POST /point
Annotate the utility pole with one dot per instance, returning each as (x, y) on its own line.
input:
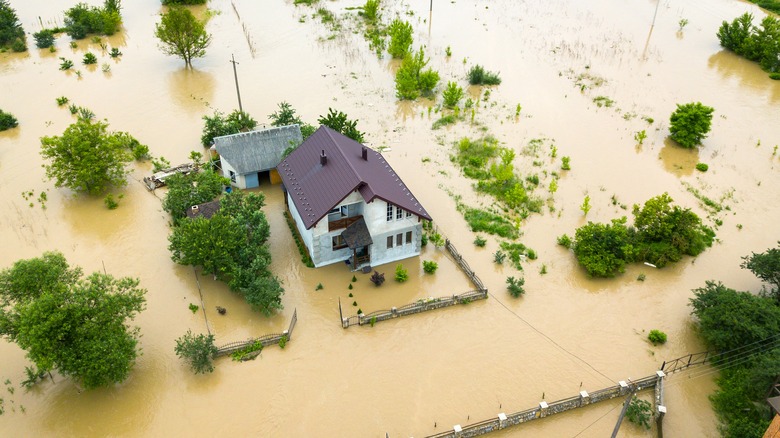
(235, 75)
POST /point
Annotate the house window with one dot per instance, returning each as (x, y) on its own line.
(389, 212)
(408, 214)
(389, 242)
(338, 242)
(399, 239)
(399, 214)
(232, 176)
(408, 237)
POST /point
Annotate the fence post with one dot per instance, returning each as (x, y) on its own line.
(501, 420)
(584, 398)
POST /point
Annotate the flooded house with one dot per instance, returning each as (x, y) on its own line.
(248, 158)
(348, 203)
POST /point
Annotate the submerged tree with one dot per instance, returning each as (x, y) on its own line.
(218, 125)
(338, 121)
(65, 322)
(766, 266)
(184, 191)
(11, 29)
(199, 351)
(690, 123)
(181, 34)
(287, 116)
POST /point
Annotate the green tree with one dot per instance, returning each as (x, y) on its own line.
(81, 20)
(88, 158)
(219, 125)
(65, 322)
(690, 123)
(766, 266)
(287, 116)
(338, 121)
(736, 35)
(639, 412)
(7, 121)
(208, 243)
(411, 80)
(400, 38)
(452, 95)
(198, 351)
(44, 39)
(766, 44)
(10, 27)
(184, 191)
(182, 35)
(603, 250)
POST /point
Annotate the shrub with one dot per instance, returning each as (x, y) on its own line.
(444, 121)
(10, 27)
(639, 412)
(65, 64)
(371, 10)
(19, 45)
(585, 207)
(219, 125)
(411, 80)
(499, 256)
(480, 242)
(62, 100)
(110, 202)
(429, 266)
(564, 240)
(401, 273)
(641, 277)
(115, 53)
(194, 308)
(320, 287)
(656, 337)
(531, 254)
(354, 279)
(377, 278)
(543, 270)
(82, 20)
(350, 286)
(452, 94)
(90, 58)
(702, 167)
(565, 163)
(44, 39)
(400, 38)
(515, 286)
(283, 341)
(7, 121)
(198, 351)
(183, 2)
(479, 76)
(640, 136)
(774, 76)
(690, 123)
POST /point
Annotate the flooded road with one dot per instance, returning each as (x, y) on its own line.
(417, 375)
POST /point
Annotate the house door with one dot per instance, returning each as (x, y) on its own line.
(362, 256)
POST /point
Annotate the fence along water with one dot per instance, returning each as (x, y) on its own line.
(423, 305)
(265, 340)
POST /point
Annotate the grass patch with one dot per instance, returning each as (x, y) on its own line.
(444, 121)
(491, 223)
(305, 257)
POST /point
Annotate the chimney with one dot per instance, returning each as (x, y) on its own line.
(323, 158)
(364, 153)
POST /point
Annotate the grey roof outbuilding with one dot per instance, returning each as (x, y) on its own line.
(257, 151)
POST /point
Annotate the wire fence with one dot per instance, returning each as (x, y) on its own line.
(265, 340)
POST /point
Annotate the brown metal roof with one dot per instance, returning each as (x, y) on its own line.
(316, 188)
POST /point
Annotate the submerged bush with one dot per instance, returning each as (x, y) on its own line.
(479, 76)
(44, 39)
(657, 337)
(7, 121)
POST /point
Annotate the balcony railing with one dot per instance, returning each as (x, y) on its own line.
(339, 224)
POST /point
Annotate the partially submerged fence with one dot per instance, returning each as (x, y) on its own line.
(426, 304)
(545, 409)
(265, 340)
(686, 361)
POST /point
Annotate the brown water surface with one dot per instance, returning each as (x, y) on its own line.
(421, 374)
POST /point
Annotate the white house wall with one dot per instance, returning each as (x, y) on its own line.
(227, 168)
(306, 235)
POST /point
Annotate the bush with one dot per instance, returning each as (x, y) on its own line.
(82, 20)
(639, 412)
(774, 76)
(702, 167)
(657, 337)
(371, 10)
(7, 121)
(690, 123)
(44, 39)
(565, 163)
(515, 286)
(400, 38)
(480, 242)
(401, 273)
(115, 53)
(198, 351)
(499, 256)
(452, 95)
(62, 100)
(90, 58)
(531, 254)
(183, 2)
(10, 27)
(65, 64)
(411, 80)
(110, 202)
(19, 45)
(479, 76)
(429, 266)
(564, 240)
(219, 125)
(377, 278)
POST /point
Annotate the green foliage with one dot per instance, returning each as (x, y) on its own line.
(89, 58)
(516, 252)
(491, 223)
(479, 76)
(302, 250)
(641, 277)
(219, 125)
(194, 308)
(7, 121)
(603, 249)
(115, 53)
(62, 101)
(766, 266)
(195, 188)
(88, 158)
(44, 39)
(564, 240)
(183, 2)
(82, 20)
(639, 412)
(640, 136)
(371, 11)
(319, 287)
(444, 121)
(198, 351)
(33, 376)
(65, 64)
(531, 254)
(702, 167)
(251, 351)
(232, 245)
(759, 44)
(182, 35)
(480, 241)
(283, 341)
(350, 286)
(452, 95)
(429, 266)
(410, 79)
(656, 337)
(400, 38)
(690, 123)
(354, 278)
(401, 273)
(110, 202)
(338, 121)
(565, 163)
(11, 29)
(585, 207)
(287, 116)
(499, 256)
(515, 286)
(70, 323)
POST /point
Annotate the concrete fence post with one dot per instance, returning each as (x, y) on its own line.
(623, 387)
(584, 398)
(458, 430)
(344, 322)
(543, 407)
(501, 420)
(394, 311)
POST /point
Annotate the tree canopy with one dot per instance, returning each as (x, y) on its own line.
(82, 19)
(88, 158)
(604, 249)
(195, 188)
(199, 351)
(287, 116)
(69, 323)
(338, 121)
(10, 27)
(182, 35)
(766, 266)
(232, 246)
(690, 123)
(219, 125)
(759, 44)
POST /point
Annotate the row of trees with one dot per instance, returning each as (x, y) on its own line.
(759, 44)
(11, 30)
(745, 329)
(662, 233)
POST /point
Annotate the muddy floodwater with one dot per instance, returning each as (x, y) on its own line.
(419, 375)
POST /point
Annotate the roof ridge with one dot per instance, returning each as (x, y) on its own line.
(329, 131)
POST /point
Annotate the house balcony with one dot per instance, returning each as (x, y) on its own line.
(340, 224)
